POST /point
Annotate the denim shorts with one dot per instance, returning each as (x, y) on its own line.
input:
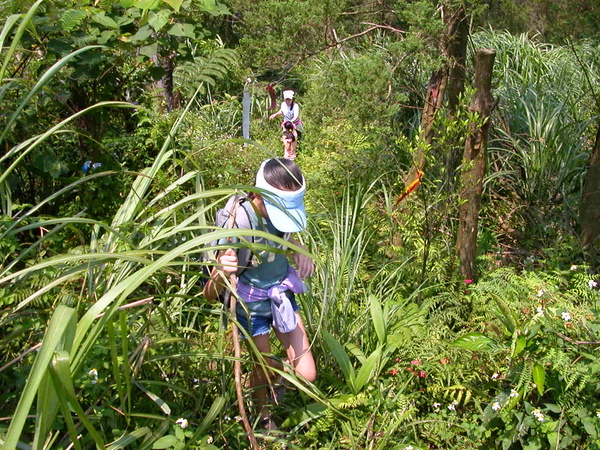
(261, 318)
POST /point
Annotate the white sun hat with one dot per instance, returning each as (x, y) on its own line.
(285, 208)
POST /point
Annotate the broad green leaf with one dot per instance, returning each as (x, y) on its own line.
(378, 319)
(520, 344)
(106, 36)
(149, 50)
(175, 4)
(356, 352)
(590, 426)
(304, 415)
(159, 19)
(539, 377)
(553, 407)
(70, 18)
(211, 7)
(340, 355)
(475, 342)
(103, 19)
(146, 4)
(165, 442)
(367, 369)
(182, 30)
(143, 33)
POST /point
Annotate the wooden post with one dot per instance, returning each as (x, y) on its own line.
(474, 162)
(590, 208)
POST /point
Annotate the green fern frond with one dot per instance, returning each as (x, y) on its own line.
(71, 18)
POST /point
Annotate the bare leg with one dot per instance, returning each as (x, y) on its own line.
(260, 379)
(298, 351)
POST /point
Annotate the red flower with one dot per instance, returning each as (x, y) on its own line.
(393, 371)
(397, 360)
(416, 362)
(444, 361)
(422, 374)
(468, 281)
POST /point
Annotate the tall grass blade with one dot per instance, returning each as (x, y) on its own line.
(63, 318)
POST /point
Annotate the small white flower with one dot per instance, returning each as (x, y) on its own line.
(93, 374)
(408, 447)
(183, 423)
(183, 238)
(219, 176)
(496, 406)
(169, 279)
(541, 292)
(592, 284)
(598, 414)
(436, 407)
(210, 440)
(495, 376)
(513, 393)
(538, 415)
(530, 259)
(227, 418)
(452, 407)
(574, 267)
(238, 418)
(566, 316)
(540, 310)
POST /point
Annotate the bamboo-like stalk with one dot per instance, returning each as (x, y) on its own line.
(237, 365)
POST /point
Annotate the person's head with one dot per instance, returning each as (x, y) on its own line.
(289, 136)
(288, 126)
(285, 184)
(288, 96)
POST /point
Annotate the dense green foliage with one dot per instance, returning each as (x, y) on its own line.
(105, 337)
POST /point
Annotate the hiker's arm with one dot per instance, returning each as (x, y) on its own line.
(278, 113)
(304, 265)
(228, 263)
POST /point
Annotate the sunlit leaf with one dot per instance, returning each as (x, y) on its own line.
(475, 342)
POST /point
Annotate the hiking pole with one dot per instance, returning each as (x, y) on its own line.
(231, 295)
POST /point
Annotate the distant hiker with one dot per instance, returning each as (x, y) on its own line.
(290, 110)
(266, 281)
(290, 140)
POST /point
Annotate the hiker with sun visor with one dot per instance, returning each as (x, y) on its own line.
(267, 283)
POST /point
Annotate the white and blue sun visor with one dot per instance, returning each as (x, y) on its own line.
(285, 208)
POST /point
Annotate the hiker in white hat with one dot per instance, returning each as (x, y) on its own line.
(290, 111)
(267, 283)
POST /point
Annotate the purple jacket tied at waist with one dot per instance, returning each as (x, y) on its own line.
(284, 317)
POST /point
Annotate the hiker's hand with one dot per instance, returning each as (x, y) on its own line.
(228, 262)
(272, 116)
(304, 265)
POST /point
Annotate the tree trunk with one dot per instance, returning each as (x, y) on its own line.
(449, 80)
(166, 82)
(433, 103)
(590, 208)
(474, 162)
(458, 29)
